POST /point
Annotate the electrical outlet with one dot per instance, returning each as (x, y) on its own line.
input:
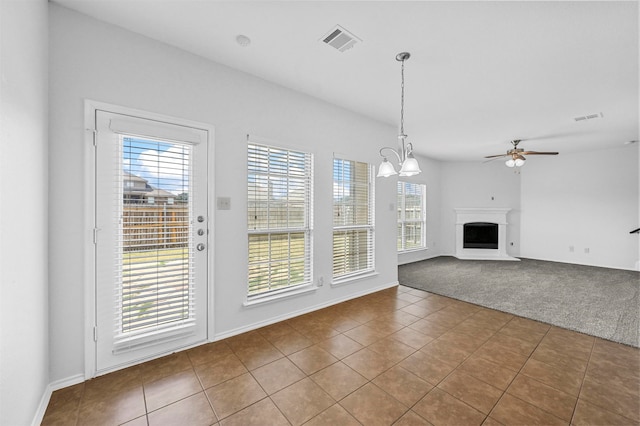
(320, 281)
(586, 250)
(571, 248)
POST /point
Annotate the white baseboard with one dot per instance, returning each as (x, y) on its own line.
(64, 383)
(416, 256)
(46, 395)
(636, 267)
(290, 315)
(596, 265)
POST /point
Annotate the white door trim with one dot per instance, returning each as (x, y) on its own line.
(90, 108)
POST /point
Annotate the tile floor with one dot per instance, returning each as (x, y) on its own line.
(400, 356)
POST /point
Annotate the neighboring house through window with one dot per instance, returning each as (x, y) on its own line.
(353, 219)
(137, 190)
(412, 223)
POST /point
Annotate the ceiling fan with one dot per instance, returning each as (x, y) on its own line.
(516, 155)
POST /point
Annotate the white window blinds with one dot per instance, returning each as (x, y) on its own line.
(279, 210)
(411, 216)
(155, 247)
(353, 218)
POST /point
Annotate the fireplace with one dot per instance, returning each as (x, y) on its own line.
(481, 234)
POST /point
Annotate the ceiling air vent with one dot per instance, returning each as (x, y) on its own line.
(588, 117)
(340, 39)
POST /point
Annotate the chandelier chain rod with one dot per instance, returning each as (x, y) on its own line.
(402, 102)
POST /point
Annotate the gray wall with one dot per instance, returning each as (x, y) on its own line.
(585, 200)
(94, 60)
(24, 334)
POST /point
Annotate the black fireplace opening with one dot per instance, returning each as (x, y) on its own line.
(480, 235)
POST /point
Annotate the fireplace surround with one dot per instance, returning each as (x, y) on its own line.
(482, 218)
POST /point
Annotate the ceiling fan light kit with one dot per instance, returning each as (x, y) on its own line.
(408, 164)
(517, 162)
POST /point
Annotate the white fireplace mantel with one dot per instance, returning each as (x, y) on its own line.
(490, 215)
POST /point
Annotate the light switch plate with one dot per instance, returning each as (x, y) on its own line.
(223, 203)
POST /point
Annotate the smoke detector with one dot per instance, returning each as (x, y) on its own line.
(340, 39)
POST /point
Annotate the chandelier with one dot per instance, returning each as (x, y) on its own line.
(408, 164)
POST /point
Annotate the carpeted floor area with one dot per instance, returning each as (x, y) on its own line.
(600, 302)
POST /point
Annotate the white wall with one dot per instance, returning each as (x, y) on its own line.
(24, 367)
(484, 185)
(430, 176)
(94, 60)
(585, 200)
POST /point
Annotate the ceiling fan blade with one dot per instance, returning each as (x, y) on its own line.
(538, 153)
(496, 156)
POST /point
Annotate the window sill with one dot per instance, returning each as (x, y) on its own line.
(348, 280)
(261, 300)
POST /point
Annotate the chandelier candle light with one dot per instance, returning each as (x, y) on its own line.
(408, 164)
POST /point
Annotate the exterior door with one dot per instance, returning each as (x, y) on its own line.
(151, 238)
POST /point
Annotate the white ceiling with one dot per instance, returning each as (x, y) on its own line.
(480, 73)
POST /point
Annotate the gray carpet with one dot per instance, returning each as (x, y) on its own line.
(597, 301)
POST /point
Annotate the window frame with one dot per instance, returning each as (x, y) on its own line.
(402, 221)
(370, 268)
(263, 147)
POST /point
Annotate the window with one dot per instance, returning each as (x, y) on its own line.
(353, 219)
(412, 223)
(279, 219)
(155, 248)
